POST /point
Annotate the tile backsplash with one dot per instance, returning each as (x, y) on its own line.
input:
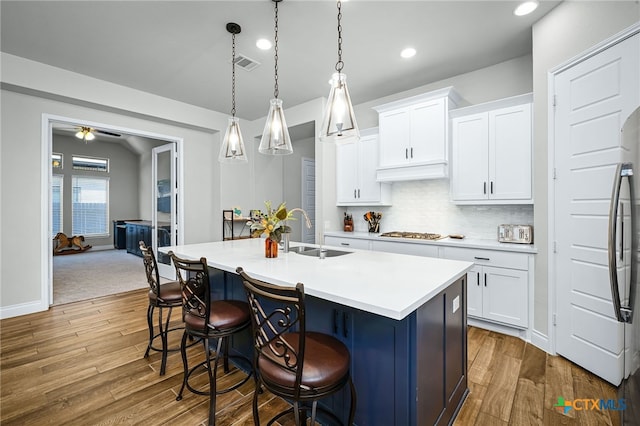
(425, 206)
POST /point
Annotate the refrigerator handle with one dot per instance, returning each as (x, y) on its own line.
(623, 314)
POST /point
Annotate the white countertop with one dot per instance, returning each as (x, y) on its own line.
(387, 284)
(451, 242)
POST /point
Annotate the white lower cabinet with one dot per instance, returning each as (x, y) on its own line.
(497, 285)
(356, 243)
(405, 248)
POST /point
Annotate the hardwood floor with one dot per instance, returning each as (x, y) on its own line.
(82, 364)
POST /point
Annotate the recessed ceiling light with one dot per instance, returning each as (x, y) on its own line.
(409, 52)
(263, 44)
(525, 8)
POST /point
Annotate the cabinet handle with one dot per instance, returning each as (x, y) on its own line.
(335, 321)
(492, 187)
(358, 193)
(485, 279)
(406, 153)
(478, 279)
(345, 324)
(481, 258)
(354, 194)
(411, 152)
(484, 187)
(344, 244)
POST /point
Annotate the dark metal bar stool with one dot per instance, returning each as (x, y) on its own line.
(161, 296)
(298, 365)
(207, 319)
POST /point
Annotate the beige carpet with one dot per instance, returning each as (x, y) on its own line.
(93, 274)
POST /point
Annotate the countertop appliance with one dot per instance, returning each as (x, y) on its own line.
(414, 235)
(521, 234)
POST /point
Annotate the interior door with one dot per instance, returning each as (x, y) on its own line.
(593, 98)
(164, 216)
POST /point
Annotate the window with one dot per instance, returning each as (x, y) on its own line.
(56, 204)
(56, 160)
(90, 163)
(90, 206)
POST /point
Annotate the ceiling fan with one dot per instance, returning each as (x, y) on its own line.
(88, 133)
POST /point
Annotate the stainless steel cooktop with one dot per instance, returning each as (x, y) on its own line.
(415, 235)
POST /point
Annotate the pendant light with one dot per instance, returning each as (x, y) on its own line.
(275, 137)
(232, 148)
(339, 121)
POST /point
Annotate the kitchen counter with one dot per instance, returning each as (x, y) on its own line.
(402, 317)
(450, 242)
(360, 279)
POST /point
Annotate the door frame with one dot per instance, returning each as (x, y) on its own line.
(46, 242)
(551, 148)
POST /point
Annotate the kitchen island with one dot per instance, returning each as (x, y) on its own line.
(402, 317)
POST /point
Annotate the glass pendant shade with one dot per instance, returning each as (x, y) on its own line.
(232, 149)
(275, 137)
(339, 121)
(85, 134)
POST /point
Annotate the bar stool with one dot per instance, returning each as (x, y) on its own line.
(207, 319)
(161, 296)
(298, 365)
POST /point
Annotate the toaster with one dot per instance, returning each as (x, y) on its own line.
(521, 234)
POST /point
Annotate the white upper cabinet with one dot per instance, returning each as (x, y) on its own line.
(492, 153)
(414, 136)
(356, 163)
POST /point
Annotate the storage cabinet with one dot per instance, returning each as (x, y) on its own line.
(414, 134)
(497, 286)
(355, 243)
(492, 153)
(136, 232)
(356, 163)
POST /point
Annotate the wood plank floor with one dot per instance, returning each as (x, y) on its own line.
(82, 364)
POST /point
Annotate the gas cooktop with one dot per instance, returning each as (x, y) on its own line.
(415, 235)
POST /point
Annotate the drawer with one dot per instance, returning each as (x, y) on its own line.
(502, 259)
(355, 243)
(405, 248)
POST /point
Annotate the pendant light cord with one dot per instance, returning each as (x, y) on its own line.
(233, 75)
(339, 64)
(275, 89)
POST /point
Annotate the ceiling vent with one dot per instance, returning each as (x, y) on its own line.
(245, 62)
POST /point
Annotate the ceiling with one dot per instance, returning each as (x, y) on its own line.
(181, 49)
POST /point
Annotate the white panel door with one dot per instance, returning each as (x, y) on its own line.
(369, 189)
(593, 98)
(347, 172)
(395, 136)
(428, 134)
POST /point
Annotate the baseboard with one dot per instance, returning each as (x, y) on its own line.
(541, 341)
(99, 248)
(22, 309)
(498, 328)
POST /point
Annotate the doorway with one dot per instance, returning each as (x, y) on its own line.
(138, 141)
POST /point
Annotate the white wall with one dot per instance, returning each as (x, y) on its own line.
(568, 30)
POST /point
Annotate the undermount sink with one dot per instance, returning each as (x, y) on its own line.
(315, 251)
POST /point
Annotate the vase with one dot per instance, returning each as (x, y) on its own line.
(270, 248)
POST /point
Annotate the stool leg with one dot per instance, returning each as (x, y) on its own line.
(183, 351)
(354, 401)
(212, 380)
(226, 354)
(163, 335)
(296, 413)
(150, 324)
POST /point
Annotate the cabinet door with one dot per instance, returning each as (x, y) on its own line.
(470, 157)
(415, 249)
(475, 282)
(428, 132)
(510, 153)
(346, 172)
(394, 137)
(355, 243)
(132, 235)
(504, 296)
(368, 187)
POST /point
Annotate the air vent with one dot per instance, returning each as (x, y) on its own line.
(246, 63)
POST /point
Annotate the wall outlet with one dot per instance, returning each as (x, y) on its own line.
(456, 304)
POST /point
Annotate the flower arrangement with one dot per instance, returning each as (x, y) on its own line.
(273, 222)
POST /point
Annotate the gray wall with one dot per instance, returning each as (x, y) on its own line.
(123, 180)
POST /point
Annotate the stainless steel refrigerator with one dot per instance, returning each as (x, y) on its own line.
(623, 236)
